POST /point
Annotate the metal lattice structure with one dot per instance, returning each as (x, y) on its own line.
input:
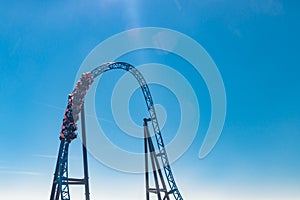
(68, 132)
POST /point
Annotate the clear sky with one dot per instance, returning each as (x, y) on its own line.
(255, 45)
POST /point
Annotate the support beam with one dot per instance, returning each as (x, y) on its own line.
(61, 181)
(84, 154)
(149, 147)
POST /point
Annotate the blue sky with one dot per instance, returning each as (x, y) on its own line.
(254, 43)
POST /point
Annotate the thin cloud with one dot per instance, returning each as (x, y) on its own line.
(45, 156)
(49, 105)
(16, 172)
(63, 109)
(53, 157)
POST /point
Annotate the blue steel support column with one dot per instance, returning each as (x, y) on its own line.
(62, 177)
(84, 152)
(55, 187)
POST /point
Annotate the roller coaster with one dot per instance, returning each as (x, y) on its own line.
(156, 153)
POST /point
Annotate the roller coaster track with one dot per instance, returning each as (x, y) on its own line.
(69, 127)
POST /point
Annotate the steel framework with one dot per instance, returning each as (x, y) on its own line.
(68, 133)
(61, 181)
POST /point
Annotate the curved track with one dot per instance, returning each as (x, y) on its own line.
(75, 102)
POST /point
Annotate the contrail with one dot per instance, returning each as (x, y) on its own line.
(62, 109)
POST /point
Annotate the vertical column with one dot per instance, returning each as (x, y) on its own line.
(152, 155)
(55, 188)
(84, 152)
(146, 162)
